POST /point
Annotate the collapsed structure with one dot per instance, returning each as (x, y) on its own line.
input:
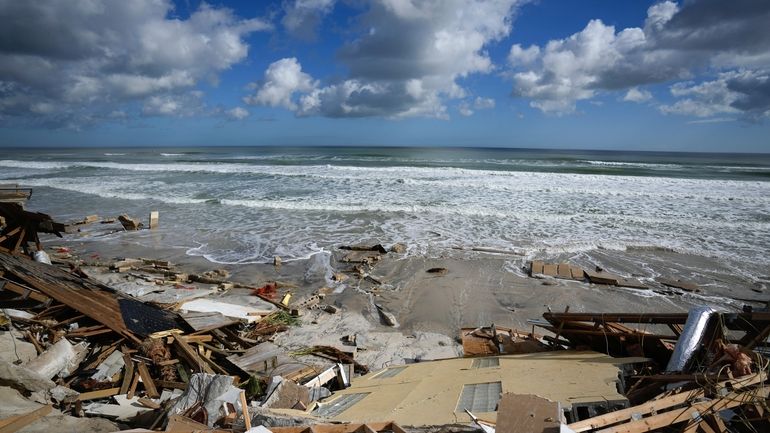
(79, 350)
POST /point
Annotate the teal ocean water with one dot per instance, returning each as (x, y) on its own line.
(245, 205)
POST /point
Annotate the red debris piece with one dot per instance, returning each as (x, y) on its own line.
(269, 290)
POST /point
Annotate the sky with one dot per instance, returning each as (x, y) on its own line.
(692, 75)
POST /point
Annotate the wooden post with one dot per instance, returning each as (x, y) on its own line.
(154, 215)
(245, 408)
(149, 384)
(128, 374)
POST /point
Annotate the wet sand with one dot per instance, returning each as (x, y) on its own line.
(476, 289)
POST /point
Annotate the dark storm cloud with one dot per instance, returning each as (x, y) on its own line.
(753, 93)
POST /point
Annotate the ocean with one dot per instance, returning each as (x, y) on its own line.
(247, 205)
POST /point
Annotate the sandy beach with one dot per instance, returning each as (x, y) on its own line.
(472, 289)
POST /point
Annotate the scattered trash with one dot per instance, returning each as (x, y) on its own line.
(198, 352)
(129, 223)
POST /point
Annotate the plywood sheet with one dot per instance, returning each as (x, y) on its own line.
(550, 269)
(577, 273)
(564, 271)
(631, 282)
(527, 414)
(536, 267)
(206, 321)
(602, 277)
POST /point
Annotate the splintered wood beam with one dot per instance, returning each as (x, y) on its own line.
(22, 236)
(679, 318)
(149, 383)
(132, 388)
(170, 384)
(90, 331)
(689, 413)
(654, 406)
(102, 393)
(245, 409)
(34, 342)
(16, 423)
(10, 234)
(128, 373)
(193, 360)
(24, 291)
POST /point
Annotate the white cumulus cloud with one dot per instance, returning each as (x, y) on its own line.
(70, 60)
(407, 60)
(746, 92)
(237, 113)
(635, 94)
(675, 43)
(283, 79)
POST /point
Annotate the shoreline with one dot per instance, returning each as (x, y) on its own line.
(476, 289)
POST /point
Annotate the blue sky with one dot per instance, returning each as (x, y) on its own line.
(597, 74)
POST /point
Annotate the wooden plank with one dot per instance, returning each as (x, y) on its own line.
(632, 283)
(182, 424)
(245, 409)
(563, 271)
(24, 291)
(196, 338)
(34, 342)
(204, 322)
(704, 425)
(170, 384)
(536, 267)
(550, 269)
(577, 273)
(90, 332)
(16, 423)
(193, 360)
(207, 359)
(132, 388)
(602, 277)
(22, 237)
(102, 393)
(10, 233)
(654, 422)
(661, 318)
(128, 374)
(661, 404)
(717, 422)
(261, 357)
(149, 384)
(148, 403)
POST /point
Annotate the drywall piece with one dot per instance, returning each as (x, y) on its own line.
(109, 367)
(61, 359)
(236, 308)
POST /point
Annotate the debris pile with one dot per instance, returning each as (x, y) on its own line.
(197, 352)
(92, 350)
